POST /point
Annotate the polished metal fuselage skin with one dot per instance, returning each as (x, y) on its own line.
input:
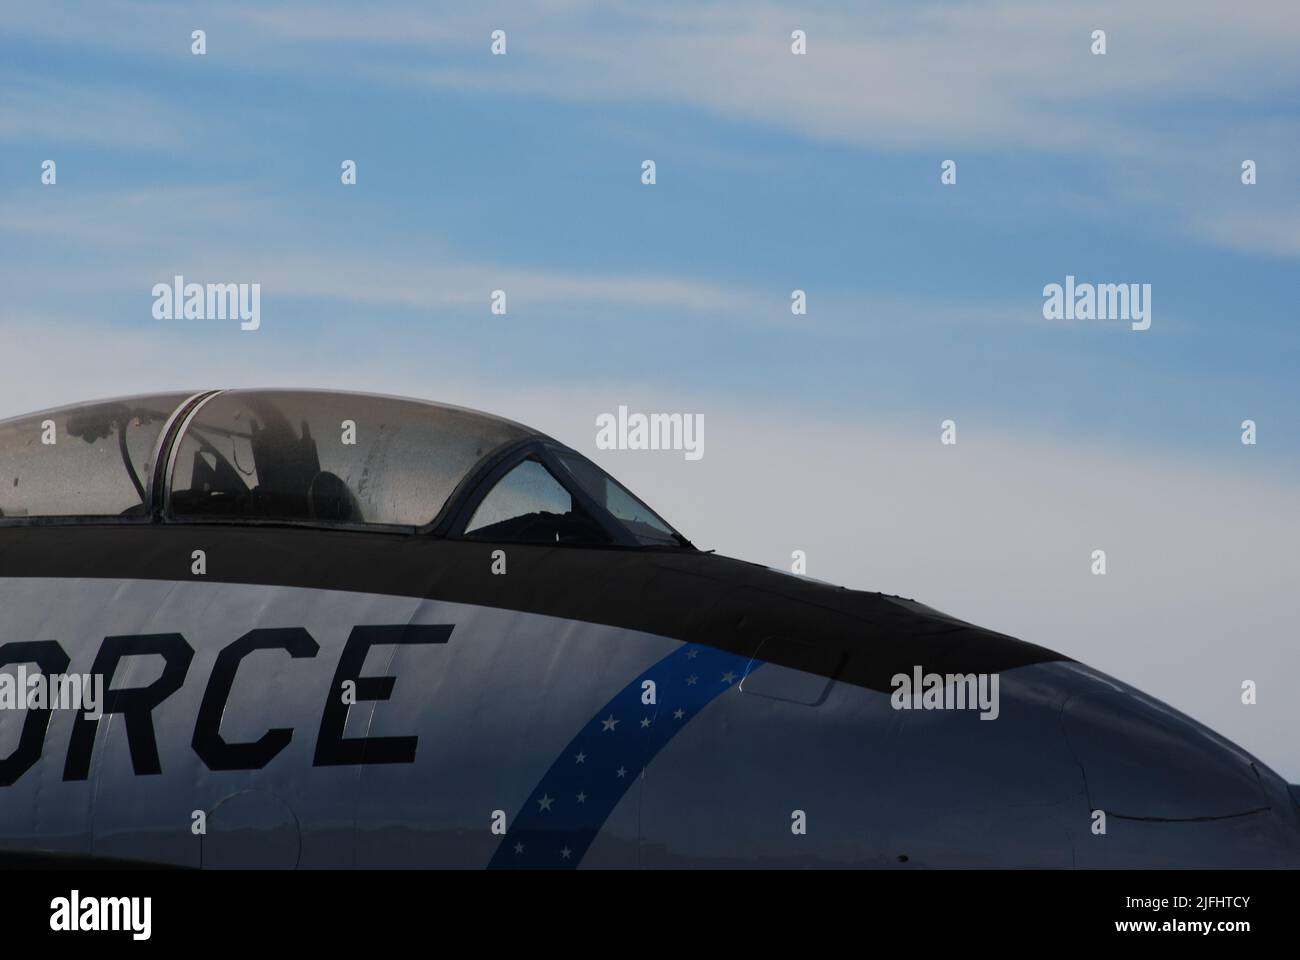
(587, 739)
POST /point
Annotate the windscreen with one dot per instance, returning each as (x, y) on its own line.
(643, 523)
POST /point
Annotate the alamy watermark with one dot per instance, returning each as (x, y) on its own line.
(75, 913)
(179, 300)
(57, 691)
(651, 431)
(1100, 301)
(946, 691)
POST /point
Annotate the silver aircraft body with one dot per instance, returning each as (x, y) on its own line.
(342, 630)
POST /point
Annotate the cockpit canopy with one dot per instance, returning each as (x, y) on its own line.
(332, 457)
(315, 458)
(88, 460)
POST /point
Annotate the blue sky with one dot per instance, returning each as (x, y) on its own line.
(923, 298)
(775, 172)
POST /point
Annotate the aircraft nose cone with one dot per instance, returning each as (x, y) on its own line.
(1174, 793)
(1144, 760)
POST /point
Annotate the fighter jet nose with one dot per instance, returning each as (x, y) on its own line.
(1144, 760)
(1173, 793)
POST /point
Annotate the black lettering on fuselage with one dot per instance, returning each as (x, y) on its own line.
(332, 748)
(135, 704)
(49, 656)
(208, 742)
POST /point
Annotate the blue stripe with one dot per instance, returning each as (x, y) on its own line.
(569, 806)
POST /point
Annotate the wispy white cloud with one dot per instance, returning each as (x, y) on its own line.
(981, 77)
(1272, 232)
(998, 72)
(129, 240)
(39, 110)
(125, 250)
